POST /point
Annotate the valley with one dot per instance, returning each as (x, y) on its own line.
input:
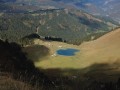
(59, 45)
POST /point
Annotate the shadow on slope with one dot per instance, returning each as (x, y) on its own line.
(14, 62)
(94, 77)
(36, 52)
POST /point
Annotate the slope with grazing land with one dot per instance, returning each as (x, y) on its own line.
(65, 75)
(105, 49)
(97, 63)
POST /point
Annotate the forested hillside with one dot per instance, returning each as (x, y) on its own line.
(73, 27)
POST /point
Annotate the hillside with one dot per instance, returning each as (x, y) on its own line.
(59, 45)
(97, 63)
(17, 72)
(66, 72)
(73, 26)
(104, 8)
(20, 19)
(105, 49)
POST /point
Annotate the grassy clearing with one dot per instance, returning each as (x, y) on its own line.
(103, 50)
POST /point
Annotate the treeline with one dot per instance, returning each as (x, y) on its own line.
(47, 11)
(54, 39)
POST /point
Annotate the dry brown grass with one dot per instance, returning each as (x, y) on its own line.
(8, 83)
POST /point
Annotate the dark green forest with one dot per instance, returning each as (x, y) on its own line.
(73, 27)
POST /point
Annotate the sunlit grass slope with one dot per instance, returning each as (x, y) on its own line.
(105, 49)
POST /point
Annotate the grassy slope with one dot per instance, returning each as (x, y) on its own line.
(103, 50)
(8, 83)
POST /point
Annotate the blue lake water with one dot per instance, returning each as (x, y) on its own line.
(67, 52)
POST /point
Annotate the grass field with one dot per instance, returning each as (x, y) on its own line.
(105, 49)
(97, 63)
